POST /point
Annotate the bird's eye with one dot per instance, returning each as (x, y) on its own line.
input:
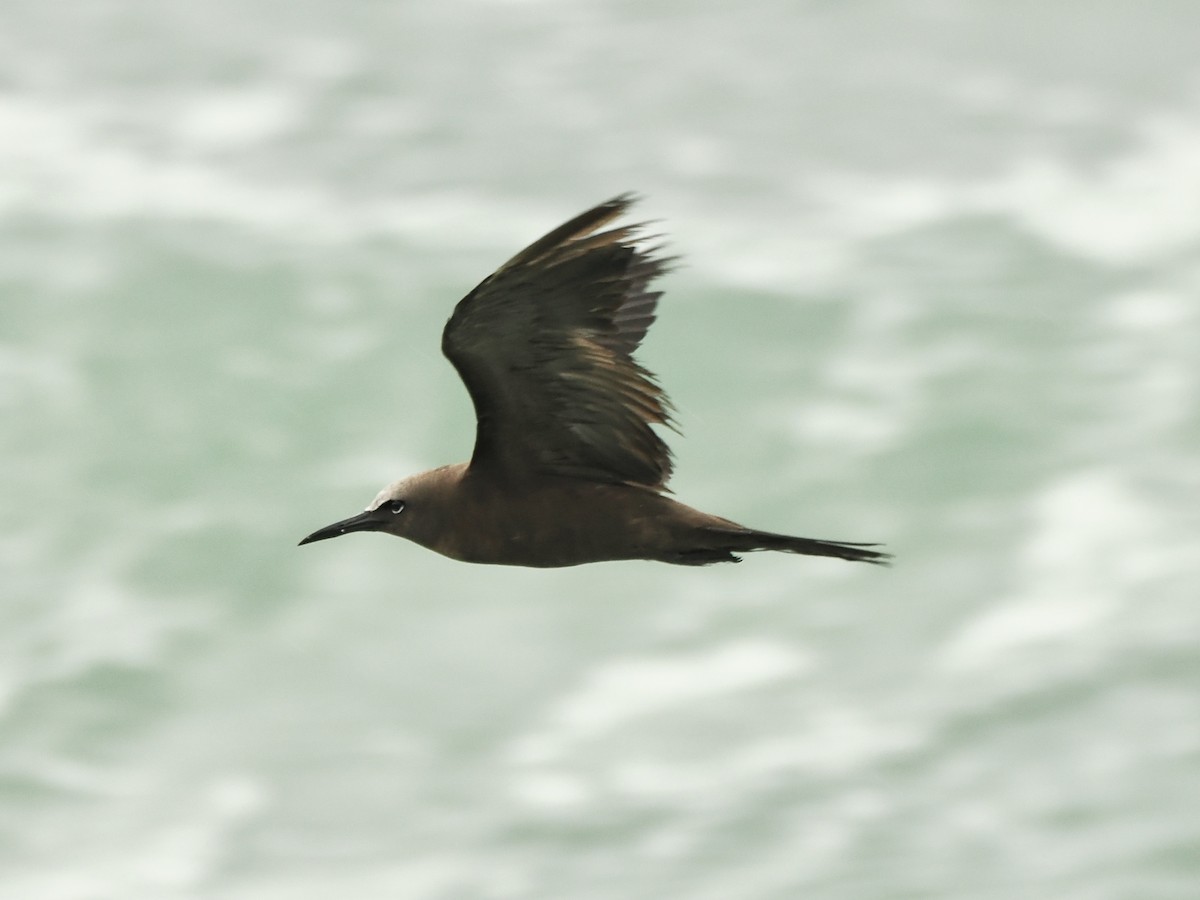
(396, 506)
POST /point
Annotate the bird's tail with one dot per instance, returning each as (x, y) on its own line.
(719, 544)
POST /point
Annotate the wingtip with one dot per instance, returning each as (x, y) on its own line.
(625, 200)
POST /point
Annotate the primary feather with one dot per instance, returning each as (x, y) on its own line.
(545, 347)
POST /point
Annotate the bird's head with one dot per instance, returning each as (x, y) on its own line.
(384, 513)
(401, 508)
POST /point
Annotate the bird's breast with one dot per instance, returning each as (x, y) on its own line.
(560, 522)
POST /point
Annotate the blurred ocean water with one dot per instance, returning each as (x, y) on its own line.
(941, 289)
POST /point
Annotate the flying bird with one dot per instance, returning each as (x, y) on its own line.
(567, 467)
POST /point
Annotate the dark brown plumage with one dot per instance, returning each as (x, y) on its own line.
(567, 468)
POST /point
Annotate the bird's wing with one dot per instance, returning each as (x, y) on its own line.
(544, 346)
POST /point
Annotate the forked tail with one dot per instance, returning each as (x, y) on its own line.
(718, 544)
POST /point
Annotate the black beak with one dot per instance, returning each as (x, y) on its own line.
(364, 521)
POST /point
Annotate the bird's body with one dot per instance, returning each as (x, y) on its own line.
(566, 468)
(551, 521)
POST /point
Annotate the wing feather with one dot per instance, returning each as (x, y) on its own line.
(545, 348)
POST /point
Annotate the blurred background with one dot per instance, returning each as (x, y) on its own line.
(940, 290)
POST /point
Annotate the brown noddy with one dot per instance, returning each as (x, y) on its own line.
(566, 467)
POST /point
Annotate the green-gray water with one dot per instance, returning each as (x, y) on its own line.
(941, 289)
